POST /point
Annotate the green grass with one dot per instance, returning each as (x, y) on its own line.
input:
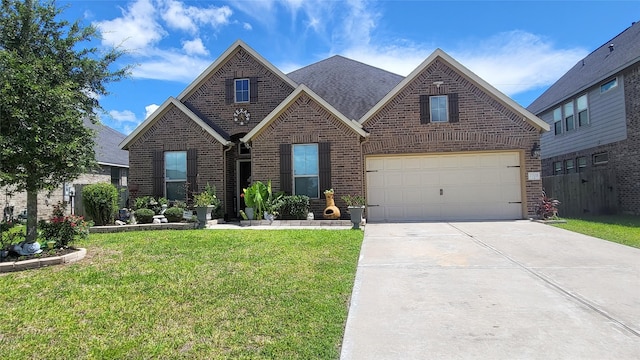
(238, 294)
(623, 229)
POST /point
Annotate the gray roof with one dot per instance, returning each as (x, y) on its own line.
(107, 145)
(348, 85)
(597, 66)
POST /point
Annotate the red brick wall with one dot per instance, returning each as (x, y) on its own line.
(307, 122)
(174, 131)
(485, 124)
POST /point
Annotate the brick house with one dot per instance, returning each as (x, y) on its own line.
(594, 113)
(439, 144)
(113, 167)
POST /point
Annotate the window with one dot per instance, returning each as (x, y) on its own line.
(569, 166)
(175, 165)
(582, 163)
(557, 121)
(557, 167)
(439, 108)
(243, 149)
(582, 107)
(115, 176)
(306, 170)
(569, 122)
(609, 85)
(242, 90)
(601, 158)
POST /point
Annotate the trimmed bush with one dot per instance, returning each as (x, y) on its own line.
(295, 207)
(173, 214)
(144, 216)
(100, 202)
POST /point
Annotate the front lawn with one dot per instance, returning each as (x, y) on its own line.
(623, 229)
(196, 294)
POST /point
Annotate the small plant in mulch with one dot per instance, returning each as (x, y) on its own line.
(547, 208)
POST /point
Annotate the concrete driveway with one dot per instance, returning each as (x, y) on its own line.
(492, 290)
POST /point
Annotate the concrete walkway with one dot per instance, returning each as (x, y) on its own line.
(492, 290)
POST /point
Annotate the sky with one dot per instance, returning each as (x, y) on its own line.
(519, 47)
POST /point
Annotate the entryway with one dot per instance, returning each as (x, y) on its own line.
(243, 180)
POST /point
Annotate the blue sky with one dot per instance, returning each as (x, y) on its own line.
(520, 47)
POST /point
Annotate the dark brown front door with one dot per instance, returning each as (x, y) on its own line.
(244, 180)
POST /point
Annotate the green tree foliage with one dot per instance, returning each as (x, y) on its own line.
(50, 80)
(100, 202)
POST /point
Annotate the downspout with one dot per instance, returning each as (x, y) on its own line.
(224, 170)
(364, 171)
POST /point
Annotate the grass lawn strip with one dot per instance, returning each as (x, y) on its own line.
(623, 229)
(186, 294)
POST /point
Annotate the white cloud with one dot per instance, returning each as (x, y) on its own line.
(247, 26)
(123, 116)
(149, 109)
(135, 30)
(187, 18)
(171, 65)
(194, 47)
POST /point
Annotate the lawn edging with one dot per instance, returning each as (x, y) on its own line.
(137, 227)
(42, 262)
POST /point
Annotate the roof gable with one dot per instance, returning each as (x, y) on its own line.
(348, 85)
(303, 89)
(438, 54)
(601, 64)
(171, 101)
(222, 59)
(106, 145)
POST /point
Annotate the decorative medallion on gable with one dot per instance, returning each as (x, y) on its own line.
(241, 116)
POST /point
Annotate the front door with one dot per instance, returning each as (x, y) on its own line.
(243, 181)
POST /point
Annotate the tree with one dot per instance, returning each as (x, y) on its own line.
(49, 82)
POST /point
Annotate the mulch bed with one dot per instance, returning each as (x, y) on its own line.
(13, 256)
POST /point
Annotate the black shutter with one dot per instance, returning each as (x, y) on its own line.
(253, 90)
(158, 173)
(454, 115)
(285, 168)
(229, 95)
(324, 163)
(425, 111)
(192, 170)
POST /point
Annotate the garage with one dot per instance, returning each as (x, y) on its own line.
(462, 186)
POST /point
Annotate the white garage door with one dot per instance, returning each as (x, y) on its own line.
(472, 186)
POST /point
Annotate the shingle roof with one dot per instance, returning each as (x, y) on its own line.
(597, 66)
(107, 145)
(348, 85)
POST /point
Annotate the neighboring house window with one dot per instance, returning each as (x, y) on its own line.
(601, 158)
(175, 163)
(582, 163)
(241, 90)
(306, 175)
(609, 85)
(557, 121)
(115, 176)
(569, 166)
(582, 109)
(439, 108)
(557, 167)
(569, 121)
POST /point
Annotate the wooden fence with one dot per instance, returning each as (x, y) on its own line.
(589, 192)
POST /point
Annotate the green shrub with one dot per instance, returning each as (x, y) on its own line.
(173, 214)
(149, 202)
(295, 207)
(63, 229)
(144, 216)
(100, 202)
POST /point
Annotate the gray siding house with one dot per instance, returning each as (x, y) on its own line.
(594, 114)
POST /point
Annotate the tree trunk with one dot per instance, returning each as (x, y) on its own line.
(32, 216)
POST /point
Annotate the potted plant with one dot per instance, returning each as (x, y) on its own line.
(203, 203)
(355, 206)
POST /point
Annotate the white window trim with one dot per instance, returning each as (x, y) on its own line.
(601, 161)
(615, 85)
(293, 168)
(446, 108)
(577, 111)
(235, 91)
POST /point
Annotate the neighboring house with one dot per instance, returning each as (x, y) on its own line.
(438, 144)
(113, 167)
(594, 114)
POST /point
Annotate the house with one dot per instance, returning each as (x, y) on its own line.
(113, 167)
(438, 144)
(594, 113)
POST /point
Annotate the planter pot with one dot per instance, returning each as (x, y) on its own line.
(249, 212)
(204, 214)
(356, 215)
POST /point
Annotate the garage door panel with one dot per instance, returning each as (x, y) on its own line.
(474, 186)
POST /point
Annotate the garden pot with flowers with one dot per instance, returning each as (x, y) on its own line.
(355, 207)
